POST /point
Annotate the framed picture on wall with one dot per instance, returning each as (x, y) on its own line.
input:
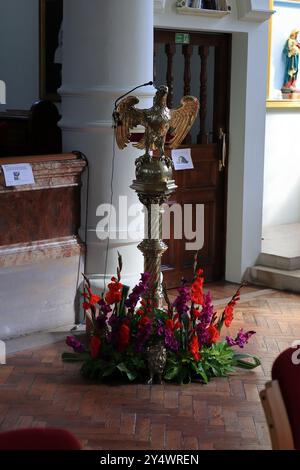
(51, 33)
(284, 55)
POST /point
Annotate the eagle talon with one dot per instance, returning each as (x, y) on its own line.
(167, 160)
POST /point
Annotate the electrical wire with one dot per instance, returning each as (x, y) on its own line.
(111, 201)
(84, 157)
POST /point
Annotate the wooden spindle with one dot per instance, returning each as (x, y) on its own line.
(202, 136)
(170, 50)
(187, 51)
(155, 55)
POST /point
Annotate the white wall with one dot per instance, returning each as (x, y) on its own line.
(282, 168)
(281, 204)
(19, 47)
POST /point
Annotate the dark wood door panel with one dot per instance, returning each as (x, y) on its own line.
(200, 68)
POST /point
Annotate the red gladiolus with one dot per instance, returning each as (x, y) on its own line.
(177, 325)
(196, 289)
(196, 313)
(114, 293)
(214, 333)
(94, 299)
(95, 345)
(85, 305)
(124, 336)
(228, 314)
(170, 325)
(194, 348)
(144, 320)
(91, 299)
(140, 311)
(177, 322)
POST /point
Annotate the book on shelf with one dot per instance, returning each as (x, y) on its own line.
(209, 4)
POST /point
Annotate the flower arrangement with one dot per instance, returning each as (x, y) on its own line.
(124, 326)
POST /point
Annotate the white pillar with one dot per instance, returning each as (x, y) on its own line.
(107, 50)
(246, 163)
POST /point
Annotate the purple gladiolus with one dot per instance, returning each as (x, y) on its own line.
(207, 310)
(170, 341)
(137, 292)
(104, 307)
(74, 343)
(101, 321)
(241, 338)
(182, 300)
(142, 336)
(203, 334)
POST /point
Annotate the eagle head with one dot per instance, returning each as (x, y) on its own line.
(161, 95)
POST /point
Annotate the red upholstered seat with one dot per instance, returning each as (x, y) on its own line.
(288, 375)
(38, 439)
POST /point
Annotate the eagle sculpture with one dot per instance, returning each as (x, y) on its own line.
(158, 121)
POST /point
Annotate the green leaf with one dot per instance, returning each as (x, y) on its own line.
(109, 370)
(75, 357)
(171, 373)
(240, 361)
(125, 291)
(198, 368)
(122, 367)
(130, 373)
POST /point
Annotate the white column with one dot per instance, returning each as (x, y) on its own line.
(246, 163)
(107, 50)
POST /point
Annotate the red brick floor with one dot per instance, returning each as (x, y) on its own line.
(37, 389)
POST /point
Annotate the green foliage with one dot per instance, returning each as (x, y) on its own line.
(250, 363)
(75, 357)
(115, 366)
(217, 360)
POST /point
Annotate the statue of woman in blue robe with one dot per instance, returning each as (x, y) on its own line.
(291, 51)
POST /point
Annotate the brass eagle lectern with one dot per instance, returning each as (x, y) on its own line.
(154, 182)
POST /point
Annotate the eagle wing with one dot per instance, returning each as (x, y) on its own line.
(182, 119)
(127, 117)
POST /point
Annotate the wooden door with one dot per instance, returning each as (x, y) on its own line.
(200, 68)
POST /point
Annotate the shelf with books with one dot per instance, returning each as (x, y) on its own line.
(209, 8)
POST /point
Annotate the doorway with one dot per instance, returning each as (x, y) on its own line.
(198, 66)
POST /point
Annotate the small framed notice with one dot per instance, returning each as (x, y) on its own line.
(18, 174)
(182, 159)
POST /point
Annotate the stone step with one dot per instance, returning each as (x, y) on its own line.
(279, 262)
(275, 278)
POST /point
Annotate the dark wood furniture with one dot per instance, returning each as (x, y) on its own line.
(33, 132)
(49, 209)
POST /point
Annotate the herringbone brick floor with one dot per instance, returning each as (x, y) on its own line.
(37, 389)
